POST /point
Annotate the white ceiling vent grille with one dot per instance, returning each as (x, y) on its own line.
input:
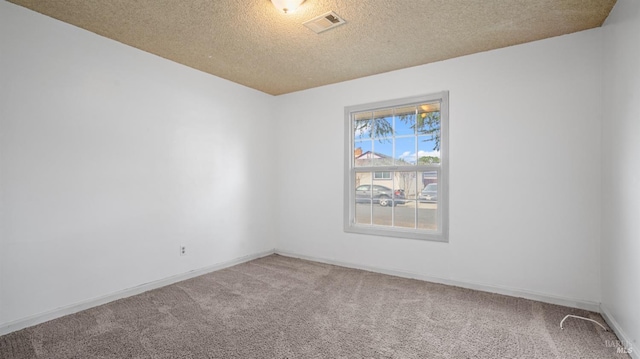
(324, 22)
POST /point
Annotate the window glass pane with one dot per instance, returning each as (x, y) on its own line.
(362, 125)
(382, 175)
(382, 195)
(406, 183)
(382, 189)
(405, 121)
(428, 150)
(405, 196)
(362, 153)
(405, 214)
(428, 126)
(405, 151)
(428, 201)
(428, 120)
(382, 152)
(383, 138)
(428, 123)
(428, 216)
(363, 198)
(428, 117)
(383, 123)
(382, 215)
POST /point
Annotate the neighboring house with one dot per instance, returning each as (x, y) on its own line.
(405, 181)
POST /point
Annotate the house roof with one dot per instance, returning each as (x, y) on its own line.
(370, 154)
(251, 43)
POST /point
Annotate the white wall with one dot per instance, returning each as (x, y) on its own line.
(621, 169)
(111, 158)
(525, 183)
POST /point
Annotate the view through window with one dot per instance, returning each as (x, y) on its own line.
(397, 168)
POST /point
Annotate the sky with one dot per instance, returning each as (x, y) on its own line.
(401, 147)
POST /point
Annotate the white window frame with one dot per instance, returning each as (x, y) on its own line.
(350, 225)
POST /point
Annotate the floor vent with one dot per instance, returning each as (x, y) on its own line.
(324, 22)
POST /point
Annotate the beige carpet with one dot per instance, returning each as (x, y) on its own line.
(279, 307)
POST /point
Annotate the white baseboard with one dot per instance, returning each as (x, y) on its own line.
(622, 336)
(90, 303)
(513, 292)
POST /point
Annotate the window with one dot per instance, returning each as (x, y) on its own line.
(382, 175)
(396, 168)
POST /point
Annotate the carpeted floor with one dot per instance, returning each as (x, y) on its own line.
(279, 307)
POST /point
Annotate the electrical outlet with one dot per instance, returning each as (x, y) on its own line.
(183, 250)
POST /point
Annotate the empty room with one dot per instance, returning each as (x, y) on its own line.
(319, 179)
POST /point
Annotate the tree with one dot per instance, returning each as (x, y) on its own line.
(425, 123)
(428, 123)
(428, 160)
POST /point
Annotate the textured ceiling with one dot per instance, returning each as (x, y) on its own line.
(251, 43)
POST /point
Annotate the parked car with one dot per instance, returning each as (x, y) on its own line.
(429, 193)
(384, 196)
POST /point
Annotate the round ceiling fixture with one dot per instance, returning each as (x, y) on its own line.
(287, 6)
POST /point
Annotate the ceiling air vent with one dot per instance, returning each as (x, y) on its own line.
(324, 22)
